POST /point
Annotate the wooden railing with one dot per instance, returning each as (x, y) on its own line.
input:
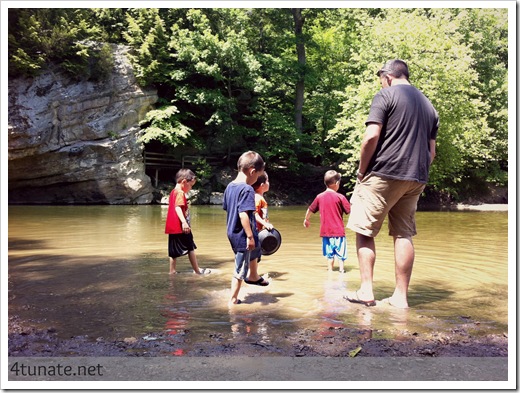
(167, 161)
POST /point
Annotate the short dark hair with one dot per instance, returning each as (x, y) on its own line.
(261, 179)
(185, 174)
(250, 159)
(396, 67)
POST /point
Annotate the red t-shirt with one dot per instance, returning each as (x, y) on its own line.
(332, 206)
(173, 222)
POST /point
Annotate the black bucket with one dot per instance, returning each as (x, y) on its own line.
(270, 241)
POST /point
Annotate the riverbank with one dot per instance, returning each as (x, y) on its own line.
(485, 207)
(299, 188)
(463, 340)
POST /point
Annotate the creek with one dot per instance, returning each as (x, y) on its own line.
(102, 271)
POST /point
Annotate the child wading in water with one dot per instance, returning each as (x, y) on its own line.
(261, 186)
(180, 237)
(331, 205)
(239, 203)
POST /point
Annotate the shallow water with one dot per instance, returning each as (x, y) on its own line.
(102, 271)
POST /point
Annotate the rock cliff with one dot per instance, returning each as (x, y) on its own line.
(77, 142)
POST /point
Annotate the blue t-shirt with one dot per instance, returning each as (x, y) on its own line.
(238, 198)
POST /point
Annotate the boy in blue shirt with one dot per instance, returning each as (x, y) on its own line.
(239, 203)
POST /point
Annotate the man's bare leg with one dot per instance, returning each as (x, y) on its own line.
(366, 252)
(404, 254)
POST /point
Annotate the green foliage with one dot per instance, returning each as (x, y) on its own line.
(39, 37)
(163, 125)
(442, 65)
(227, 77)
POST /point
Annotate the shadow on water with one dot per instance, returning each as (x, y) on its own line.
(107, 277)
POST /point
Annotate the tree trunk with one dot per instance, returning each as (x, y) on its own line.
(300, 83)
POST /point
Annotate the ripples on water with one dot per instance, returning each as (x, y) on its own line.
(102, 271)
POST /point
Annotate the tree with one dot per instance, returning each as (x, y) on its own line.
(294, 84)
(441, 65)
(42, 37)
(300, 83)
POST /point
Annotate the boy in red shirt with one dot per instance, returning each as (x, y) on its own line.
(331, 205)
(180, 237)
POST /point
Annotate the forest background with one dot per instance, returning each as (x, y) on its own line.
(293, 84)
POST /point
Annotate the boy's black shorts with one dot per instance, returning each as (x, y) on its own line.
(180, 244)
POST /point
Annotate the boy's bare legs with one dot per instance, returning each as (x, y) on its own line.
(404, 254)
(253, 270)
(193, 260)
(366, 252)
(330, 264)
(235, 289)
(173, 265)
(341, 266)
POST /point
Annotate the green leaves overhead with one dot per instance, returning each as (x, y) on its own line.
(227, 77)
(163, 125)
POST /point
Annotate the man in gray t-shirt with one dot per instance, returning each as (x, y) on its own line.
(396, 153)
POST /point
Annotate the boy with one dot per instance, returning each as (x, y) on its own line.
(239, 203)
(332, 205)
(180, 237)
(261, 186)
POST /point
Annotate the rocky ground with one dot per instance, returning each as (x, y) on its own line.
(333, 342)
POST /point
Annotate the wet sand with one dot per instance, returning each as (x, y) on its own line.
(461, 341)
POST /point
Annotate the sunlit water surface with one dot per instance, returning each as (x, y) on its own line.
(102, 271)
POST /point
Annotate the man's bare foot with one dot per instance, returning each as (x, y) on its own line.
(172, 273)
(233, 302)
(390, 302)
(358, 297)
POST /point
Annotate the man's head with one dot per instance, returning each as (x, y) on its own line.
(396, 68)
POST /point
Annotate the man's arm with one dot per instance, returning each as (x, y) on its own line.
(432, 150)
(368, 147)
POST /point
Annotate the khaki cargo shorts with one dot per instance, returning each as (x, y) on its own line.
(376, 197)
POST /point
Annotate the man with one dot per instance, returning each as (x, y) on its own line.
(396, 152)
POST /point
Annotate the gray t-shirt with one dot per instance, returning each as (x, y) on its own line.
(409, 123)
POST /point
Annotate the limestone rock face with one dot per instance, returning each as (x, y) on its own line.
(77, 142)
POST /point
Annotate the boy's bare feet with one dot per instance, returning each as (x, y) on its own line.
(234, 302)
(202, 271)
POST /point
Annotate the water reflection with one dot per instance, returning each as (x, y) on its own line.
(103, 271)
(177, 317)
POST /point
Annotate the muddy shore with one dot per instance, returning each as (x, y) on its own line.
(332, 342)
